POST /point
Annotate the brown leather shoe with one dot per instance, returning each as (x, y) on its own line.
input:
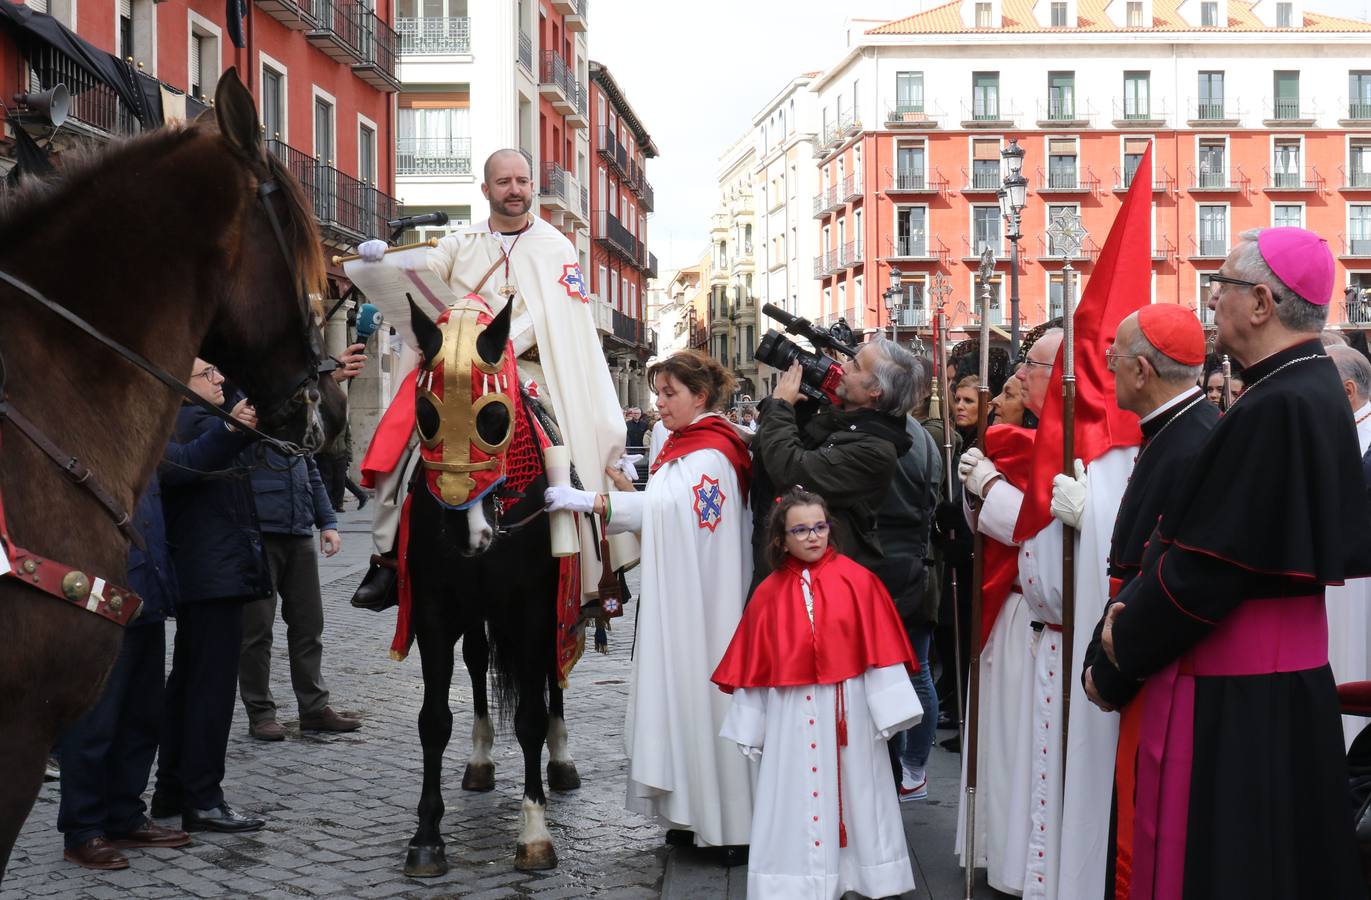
(150, 834)
(328, 720)
(267, 730)
(96, 853)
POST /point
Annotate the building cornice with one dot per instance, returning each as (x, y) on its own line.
(599, 74)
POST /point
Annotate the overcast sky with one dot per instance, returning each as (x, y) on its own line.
(696, 73)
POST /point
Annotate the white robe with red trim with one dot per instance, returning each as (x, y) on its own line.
(696, 567)
(1349, 615)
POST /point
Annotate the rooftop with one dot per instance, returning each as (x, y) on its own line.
(1018, 16)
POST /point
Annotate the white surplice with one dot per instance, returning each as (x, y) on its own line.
(694, 583)
(795, 853)
(1349, 615)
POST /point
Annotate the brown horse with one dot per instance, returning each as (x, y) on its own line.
(165, 245)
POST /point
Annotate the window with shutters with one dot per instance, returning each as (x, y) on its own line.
(985, 164)
(1061, 95)
(366, 154)
(1285, 158)
(1359, 162)
(1137, 95)
(1133, 150)
(126, 48)
(1213, 156)
(1061, 163)
(1287, 93)
(985, 95)
(37, 5)
(1210, 105)
(433, 137)
(196, 54)
(273, 104)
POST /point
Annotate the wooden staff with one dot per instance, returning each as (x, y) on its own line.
(987, 270)
(940, 375)
(1068, 469)
(431, 242)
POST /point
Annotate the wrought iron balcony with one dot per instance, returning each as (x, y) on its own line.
(1358, 111)
(851, 255)
(613, 152)
(1288, 110)
(914, 115)
(94, 104)
(432, 156)
(1048, 252)
(380, 45)
(611, 234)
(912, 246)
(1356, 308)
(1137, 113)
(297, 15)
(1208, 247)
(1163, 250)
(1160, 185)
(1355, 180)
(901, 181)
(852, 188)
(575, 18)
(337, 29)
(1356, 246)
(990, 112)
(1213, 111)
(434, 36)
(629, 330)
(1298, 181)
(557, 83)
(348, 210)
(1217, 181)
(1066, 181)
(1067, 111)
(526, 52)
(985, 180)
(826, 202)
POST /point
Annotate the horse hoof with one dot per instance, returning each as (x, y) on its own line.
(425, 861)
(562, 776)
(538, 855)
(479, 777)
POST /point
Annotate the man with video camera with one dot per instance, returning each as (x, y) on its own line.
(846, 455)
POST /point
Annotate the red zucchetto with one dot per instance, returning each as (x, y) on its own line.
(1175, 331)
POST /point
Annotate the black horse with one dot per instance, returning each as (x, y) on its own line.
(497, 589)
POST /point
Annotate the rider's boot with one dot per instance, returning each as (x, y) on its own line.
(377, 590)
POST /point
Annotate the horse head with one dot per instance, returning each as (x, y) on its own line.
(265, 334)
(464, 409)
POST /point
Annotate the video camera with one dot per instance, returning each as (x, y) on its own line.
(821, 374)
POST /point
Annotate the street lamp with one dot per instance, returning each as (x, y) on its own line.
(894, 300)
(1013, 197)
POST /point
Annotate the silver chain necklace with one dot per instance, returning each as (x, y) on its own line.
(1284, 365)
(1185, 409)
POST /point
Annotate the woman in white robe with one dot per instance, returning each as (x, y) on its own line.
(696, 568)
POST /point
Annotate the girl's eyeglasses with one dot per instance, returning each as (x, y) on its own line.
(800, 532)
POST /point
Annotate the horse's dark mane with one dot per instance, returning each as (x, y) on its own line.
(33, 197)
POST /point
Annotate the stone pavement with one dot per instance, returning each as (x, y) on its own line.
(340, 809)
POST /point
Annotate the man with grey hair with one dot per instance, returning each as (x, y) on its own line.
(848, 455)
(1225, 623)
(1349, 605)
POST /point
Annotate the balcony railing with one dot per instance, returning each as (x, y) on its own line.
(1123, 181)
(1356, 246)
(971, 250)
(347, 210)
(647, 199)
(1355, 179)
(1209, 247)
(380, 46)
(1307, 179)
(433, 156)
(337, 29)
(988, 112)
(576, 17)
(1359, 110)
(610, 232)
(434, 36)
(613, 152)
(847, 125)
(852, 188)
(559, 187)
(1356, 309)
(1289, 109)
(1066, 181)
(1220, 109)
(981, 181)
(526, 52)
(1151, 110)
(1219, 181)
(1063, 111)
(851, 255)
(1047, 249)
(911, 246)
(1163, 249)
(913, 317)
(93, 103)
(297, 15)
(629, 329)
(825, 201)
(555, 77)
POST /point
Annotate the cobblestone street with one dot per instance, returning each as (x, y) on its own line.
(340, 809)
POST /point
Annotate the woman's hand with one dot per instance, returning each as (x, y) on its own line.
(618, 479)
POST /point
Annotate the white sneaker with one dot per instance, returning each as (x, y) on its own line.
(914, 785)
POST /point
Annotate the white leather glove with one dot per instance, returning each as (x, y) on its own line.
(372, 251)
(628, 465)
(559, 497)
(1069, 495)
(976, 472)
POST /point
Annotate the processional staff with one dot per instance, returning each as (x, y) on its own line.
(986, 272)
(940, 291)
(1226, 400)
(1066, 234)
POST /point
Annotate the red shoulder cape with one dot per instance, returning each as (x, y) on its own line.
(855, 628)
(392, 433)
(1010, 448)
(709, 433)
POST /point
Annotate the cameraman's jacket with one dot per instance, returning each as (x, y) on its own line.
(846, 457)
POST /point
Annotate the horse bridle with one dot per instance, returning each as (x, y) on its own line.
(305, 393)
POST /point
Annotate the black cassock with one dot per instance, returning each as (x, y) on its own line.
(1240, 788)
(1171, 441)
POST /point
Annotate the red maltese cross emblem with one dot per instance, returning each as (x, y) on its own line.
(574, 282)
(708, 502)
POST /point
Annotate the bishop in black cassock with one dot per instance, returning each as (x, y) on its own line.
(1241, 785)
(1156, 359)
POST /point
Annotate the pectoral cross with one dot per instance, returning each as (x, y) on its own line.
(507, 291)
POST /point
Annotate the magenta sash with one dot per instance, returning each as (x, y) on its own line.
(1260, 637)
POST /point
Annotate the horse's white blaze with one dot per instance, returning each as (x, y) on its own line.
(533, 824)
(479, 532)
(482, 740)
(557, 740)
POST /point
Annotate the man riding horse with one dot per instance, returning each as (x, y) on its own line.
(512, 257)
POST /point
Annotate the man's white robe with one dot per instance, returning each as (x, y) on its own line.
(1093, 735)
(792, 730)
(694, 584)
(1349, 615)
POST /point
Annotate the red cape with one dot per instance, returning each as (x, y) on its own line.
(1010, 448)
(709, 433)
(392, 433)
(855, 628)
(1119, 285)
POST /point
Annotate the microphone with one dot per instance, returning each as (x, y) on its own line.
(369, 319)
(400, 224)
